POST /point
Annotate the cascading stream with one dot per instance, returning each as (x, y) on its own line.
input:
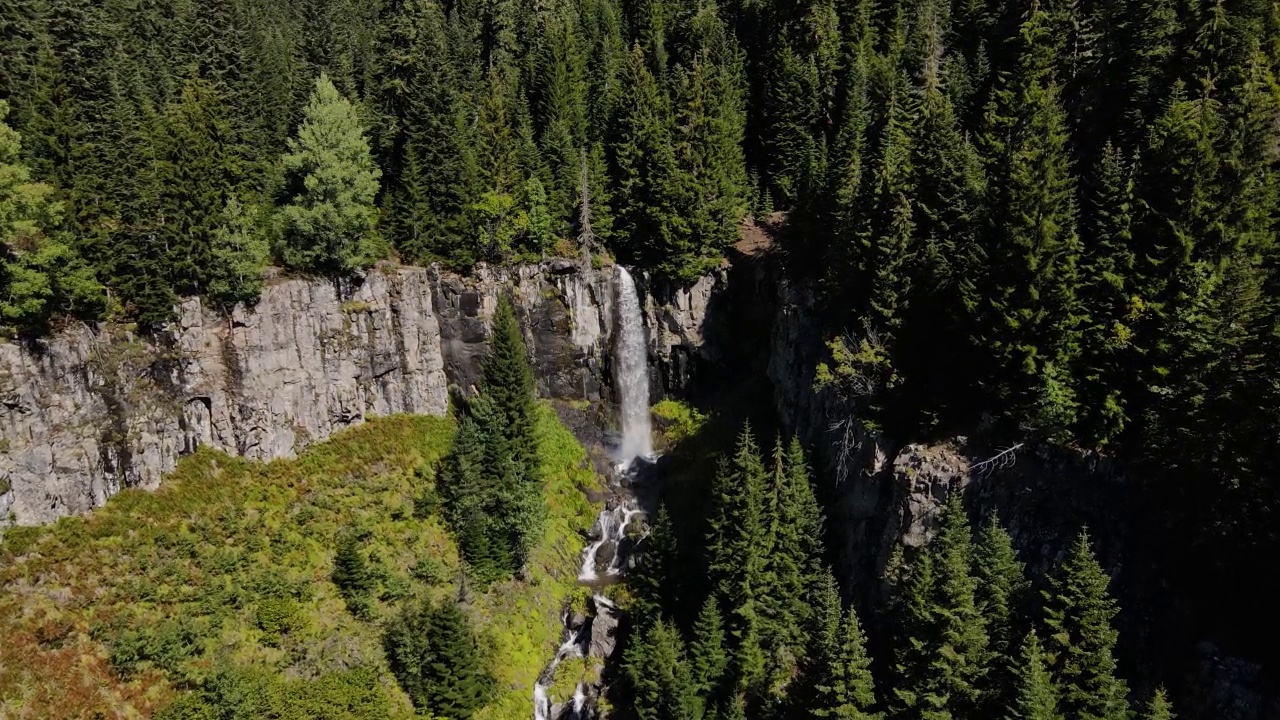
(631, 364)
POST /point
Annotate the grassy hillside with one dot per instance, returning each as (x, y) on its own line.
(221, 578)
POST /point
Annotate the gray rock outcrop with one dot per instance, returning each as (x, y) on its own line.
(92, 410)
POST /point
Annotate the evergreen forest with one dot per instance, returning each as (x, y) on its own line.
(737, 614)
(1050, 222)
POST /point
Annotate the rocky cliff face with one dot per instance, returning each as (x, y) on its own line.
(887, 496)
(93, 410)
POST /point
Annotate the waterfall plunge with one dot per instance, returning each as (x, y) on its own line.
(631, 364)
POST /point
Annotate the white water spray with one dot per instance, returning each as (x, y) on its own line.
(632, 372)
(603, 531)
(610, 528)
(572, 648)
(615, 565)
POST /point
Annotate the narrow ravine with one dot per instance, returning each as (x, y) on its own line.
(604, 559)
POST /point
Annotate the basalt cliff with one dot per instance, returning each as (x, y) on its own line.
(92, 410)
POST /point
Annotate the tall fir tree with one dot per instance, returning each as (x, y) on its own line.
(1080, 641)
(330, 218)
(962, 661)
(654, 580)
(659, 676)
(438, 661)
(1002, 587)
(643, 162)
(737, 547)
(196, 174)
(1029, 316)
(845, 689)
(1036, 697)
(507, 382)
(1002, 595)
(709, 194)
(796, 559)
(1106, 300)
(707, 655)
(943, 644)
(40, 275)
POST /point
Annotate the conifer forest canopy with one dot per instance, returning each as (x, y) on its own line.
(1050, 221)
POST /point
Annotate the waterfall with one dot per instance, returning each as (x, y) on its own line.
(631, 375)
(632, 372)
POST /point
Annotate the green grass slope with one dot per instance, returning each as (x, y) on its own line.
(221, 577)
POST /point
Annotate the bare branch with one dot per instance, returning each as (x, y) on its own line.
(1001, 460)
(847, 444)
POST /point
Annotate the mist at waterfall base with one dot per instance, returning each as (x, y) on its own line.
(631, 377)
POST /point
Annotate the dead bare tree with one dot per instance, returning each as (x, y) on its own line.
(1005, 458)
(586, 236)
(848, 441)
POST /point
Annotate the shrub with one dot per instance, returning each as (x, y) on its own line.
(276, 616)
(430, 570)
(679, 421)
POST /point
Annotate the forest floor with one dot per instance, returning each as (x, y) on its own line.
(226, 568)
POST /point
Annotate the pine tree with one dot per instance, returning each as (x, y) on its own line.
(707, 653)
(507, 380)
(1035, 697)
(437, 660)
(1002, 586)
(943, 644)
(659, 676)
(1149, 56)
(492, 492)
(197, 173)
(39, 274)
(1029, 315)
(1159, 708)
(709, 201)
(1106, 268)
(947, 192)
(961, 630)
(643, 163)
(424, 139)
(1002, 595)
(791, 110)
(847, 690)
(239, 256)
(330, 217)
(837, 681)
(559, 89)
(887, 239)
(352, 574)
(796, 559)
(652, 580)
(469, 497)
(913, 690)
(1081, 639)
(737, 547)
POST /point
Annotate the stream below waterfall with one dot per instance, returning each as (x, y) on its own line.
(621, 525)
